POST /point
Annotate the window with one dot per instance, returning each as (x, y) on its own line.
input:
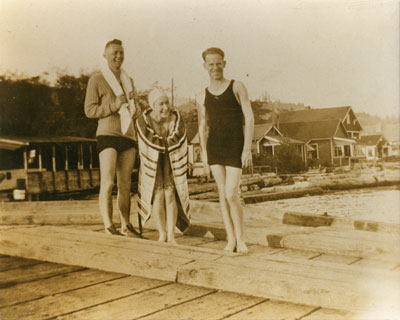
(73, 156)
(10, 160)
(313, 154)
(348, 119)
(338, 151)
(347, 151)
(32, 155)
(267, 150)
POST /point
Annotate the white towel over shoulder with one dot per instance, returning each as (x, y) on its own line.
(127, 110)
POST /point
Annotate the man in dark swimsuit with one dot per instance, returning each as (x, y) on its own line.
(226, 149)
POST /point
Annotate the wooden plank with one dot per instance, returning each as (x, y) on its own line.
(296, 254)
(214, 306)
(35, 272)
(8, 262)
(64, 303)
(258, 281)
(312, 269)
(345, 243)
(216, 245)
(274, 310)
(61, 233)
(330, 314)
(50, 286)
(193, 241)
(366, 263)
(139, 305)
(334, 258)
(96, 250)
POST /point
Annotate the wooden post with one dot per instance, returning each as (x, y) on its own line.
(172, 92)
(66, 168)
(53, 157)
(91, 165)
(25, 159)
(53, 160)
(66, 158)
(40, 158)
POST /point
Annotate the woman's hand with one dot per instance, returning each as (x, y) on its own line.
(247, 159)
(132, 95)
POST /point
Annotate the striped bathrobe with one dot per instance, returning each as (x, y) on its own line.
(150, 146)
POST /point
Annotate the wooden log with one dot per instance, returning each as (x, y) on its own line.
(274, 310)
(65, 303)
(214, 306)
(307, 220)
(141, 304)
(346, 242)
(61, 283)
(96, 250)
(290, 287)
(262, 196)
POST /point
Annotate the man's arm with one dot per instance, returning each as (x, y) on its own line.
(241, 94)
(203, 131)
(100, 108)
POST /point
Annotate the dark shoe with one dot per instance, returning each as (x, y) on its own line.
(130, 231)
(113, 230)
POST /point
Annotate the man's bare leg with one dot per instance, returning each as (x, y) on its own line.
(172, 213)
(159, 214)
(219, 174)
(108, 160)
(125, 163)
(232, 184)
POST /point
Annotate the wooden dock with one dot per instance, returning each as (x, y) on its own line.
(291, 272)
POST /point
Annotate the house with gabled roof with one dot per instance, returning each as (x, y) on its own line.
(327, 138)
(345, 114)
(267, 137)
(372, 147)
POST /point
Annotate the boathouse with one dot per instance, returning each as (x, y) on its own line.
(44, 166)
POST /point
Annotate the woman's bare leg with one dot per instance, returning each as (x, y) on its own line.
(159, 214)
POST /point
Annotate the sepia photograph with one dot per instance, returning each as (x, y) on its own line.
(195, 160)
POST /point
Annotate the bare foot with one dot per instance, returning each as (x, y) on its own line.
(172, 241)
(230, 246)
(241, 247)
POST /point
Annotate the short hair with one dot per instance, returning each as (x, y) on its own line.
(114, 41)
(213, 50)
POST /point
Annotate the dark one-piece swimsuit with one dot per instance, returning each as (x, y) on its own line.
(225, 120)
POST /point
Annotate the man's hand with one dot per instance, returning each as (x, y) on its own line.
(131, 95)
(247, 159)
(206, 170)
(120, 100)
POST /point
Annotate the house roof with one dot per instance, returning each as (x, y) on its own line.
(371, 140)
(260, 130)
(320, 114)
(306, 131)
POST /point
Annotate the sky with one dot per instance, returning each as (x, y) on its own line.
(317, 52)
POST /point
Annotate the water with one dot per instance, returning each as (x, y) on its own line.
(377, 204)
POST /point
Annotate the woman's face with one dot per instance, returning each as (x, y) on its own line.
(161, 107)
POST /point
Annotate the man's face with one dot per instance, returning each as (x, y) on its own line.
(215, 65)
(114, 55)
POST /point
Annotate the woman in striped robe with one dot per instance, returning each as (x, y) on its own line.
(163, 189)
